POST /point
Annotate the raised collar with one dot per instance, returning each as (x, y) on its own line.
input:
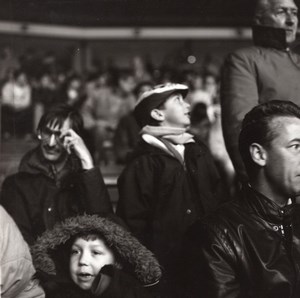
(34, 163)
(266, 208)
(269, 37)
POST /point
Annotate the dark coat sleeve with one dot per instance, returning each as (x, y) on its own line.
(136, 189)
(209, 270)
(12, 200)
(93, 192)
(239, 94)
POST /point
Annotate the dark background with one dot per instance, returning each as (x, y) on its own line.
(130, 12)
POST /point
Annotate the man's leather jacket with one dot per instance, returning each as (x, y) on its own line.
(249, 247)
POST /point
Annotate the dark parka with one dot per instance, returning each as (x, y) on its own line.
(159, 197)
(137, 279)
(249, 248)
(36, 200)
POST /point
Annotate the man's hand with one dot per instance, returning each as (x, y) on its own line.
(72, 142)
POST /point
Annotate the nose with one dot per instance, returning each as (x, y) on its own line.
(187, 105)
(291, 19)
(83, 259)
(52, 141)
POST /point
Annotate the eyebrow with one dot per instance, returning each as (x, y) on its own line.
(294, 140)
(52, 130)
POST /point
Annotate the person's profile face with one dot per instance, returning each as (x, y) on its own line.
(86, 260)
(51, 143)
(282, 14)
(176, 111)
(282, 168)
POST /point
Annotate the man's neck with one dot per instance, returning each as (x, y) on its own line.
(58, 166)
(271, 193)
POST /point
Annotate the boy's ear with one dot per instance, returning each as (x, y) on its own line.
(258, 154)
(158, 115)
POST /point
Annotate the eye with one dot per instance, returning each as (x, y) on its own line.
(295, 147)
(97, 252)
(75, 251)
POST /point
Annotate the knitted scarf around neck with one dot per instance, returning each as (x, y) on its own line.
(177, 136)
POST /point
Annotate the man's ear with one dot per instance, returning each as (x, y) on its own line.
(158, 115)
(258, 154)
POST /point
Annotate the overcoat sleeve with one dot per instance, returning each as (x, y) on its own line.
(93, 192)
(239, 94)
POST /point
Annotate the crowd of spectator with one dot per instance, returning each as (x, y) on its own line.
(32, 84)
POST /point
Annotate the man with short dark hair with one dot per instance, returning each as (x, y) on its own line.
(268, 69)
(57, 179)
(249, 247)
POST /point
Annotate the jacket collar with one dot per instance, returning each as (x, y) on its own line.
(34, 163)
(266, 208)
(269, 37)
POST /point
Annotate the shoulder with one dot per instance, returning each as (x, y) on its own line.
(219, 223)
(144, 153)
(16, 179)
(247, 55)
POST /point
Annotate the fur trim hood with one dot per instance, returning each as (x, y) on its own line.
(144, 265)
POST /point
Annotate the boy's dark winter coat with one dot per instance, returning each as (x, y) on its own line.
(51, 257)
(160, 198)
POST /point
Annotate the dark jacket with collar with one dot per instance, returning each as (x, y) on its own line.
(256, 74)
(37, 200)
(138, 277)
(159, 197)
(249, 247)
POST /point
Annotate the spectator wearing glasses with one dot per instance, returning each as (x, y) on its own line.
(57, 179)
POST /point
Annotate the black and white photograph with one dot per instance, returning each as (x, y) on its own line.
(149, 149)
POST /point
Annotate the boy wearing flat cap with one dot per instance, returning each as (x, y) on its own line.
(170, 180)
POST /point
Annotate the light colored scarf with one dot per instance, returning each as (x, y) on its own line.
(168, 139)
(177, 136)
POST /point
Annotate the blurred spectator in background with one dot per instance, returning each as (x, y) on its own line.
(140, 71)
(104, 107)
(8, 63)
(73, 92)
(198, 92)
(253, 75)
(45, 96)
(206, 125)
(218, 150)
(200, 123)
(45, 92)
(57, 179)
(211, 86)
(127, 131)
(17, 109)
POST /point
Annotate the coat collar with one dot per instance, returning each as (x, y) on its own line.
(269, 37)
(34, 163)
(266, 208)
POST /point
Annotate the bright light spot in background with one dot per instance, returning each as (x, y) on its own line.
(191, 59)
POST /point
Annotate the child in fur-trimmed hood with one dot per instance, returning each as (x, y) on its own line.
(92, 256)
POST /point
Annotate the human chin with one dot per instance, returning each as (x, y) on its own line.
(52, 155)
(290, 36)
(84, 281)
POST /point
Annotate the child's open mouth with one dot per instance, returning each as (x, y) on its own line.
(85, 276)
